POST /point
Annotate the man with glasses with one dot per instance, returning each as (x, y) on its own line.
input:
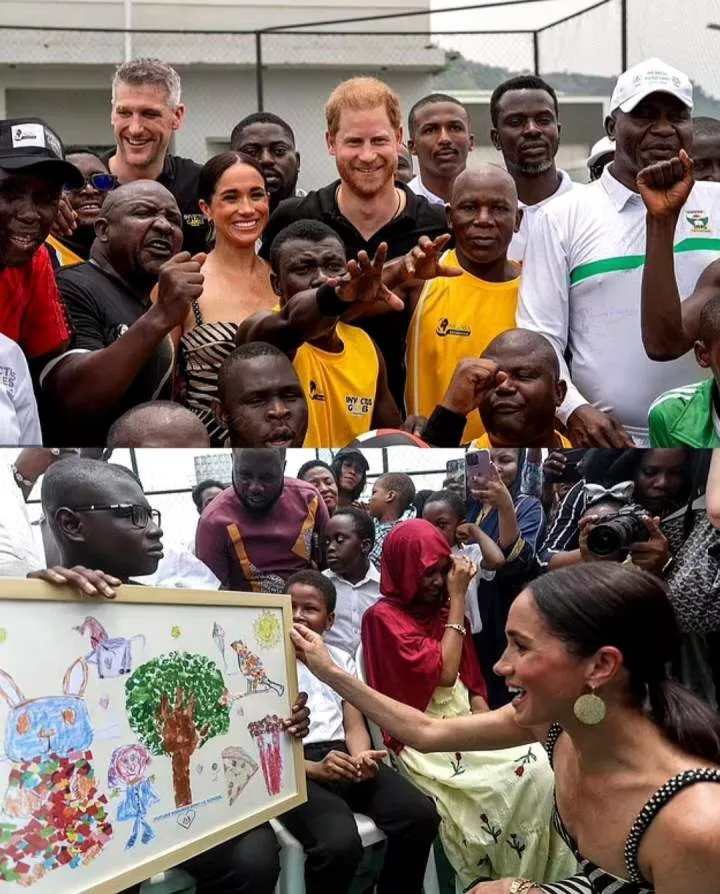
(33, 170)
(86, 203)
(121, 355)
(102, 519)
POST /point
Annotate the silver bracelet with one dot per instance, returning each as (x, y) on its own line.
(459, 627)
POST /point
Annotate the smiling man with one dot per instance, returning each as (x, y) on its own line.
(120, 354)
(583, 269)
(526, 130)
(439, 129)
(33, 171)
(146, 112)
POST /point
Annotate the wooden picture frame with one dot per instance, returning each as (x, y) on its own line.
(160, 636)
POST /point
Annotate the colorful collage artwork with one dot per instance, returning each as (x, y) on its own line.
(120, 747)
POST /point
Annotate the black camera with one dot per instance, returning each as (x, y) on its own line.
(615, 533)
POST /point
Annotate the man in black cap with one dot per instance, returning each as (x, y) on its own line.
(33, 171)
(120, 355)
(350, 469)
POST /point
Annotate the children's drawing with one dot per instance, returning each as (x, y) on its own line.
(104, 702)
(251, 667)
(218, 635)
(51, 787)
(267, 630)
(3, 635)
(238, 768)
(175, 632)
(113, 657)
(128, 771)
(175, 703)
(186, 819)
(266, 733)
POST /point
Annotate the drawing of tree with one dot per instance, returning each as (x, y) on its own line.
(175, 703)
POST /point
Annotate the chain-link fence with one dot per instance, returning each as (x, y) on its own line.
(63, 74)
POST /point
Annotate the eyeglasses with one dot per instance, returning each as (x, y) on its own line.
(140, 515)
(101, 182)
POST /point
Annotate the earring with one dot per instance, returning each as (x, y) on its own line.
(590, 709)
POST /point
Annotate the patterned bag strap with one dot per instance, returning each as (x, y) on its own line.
(661, 797)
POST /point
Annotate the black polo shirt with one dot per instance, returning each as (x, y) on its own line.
(419, 218)
(101, 307)
(180, 176)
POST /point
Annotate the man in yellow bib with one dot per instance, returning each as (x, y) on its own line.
(457, 316)
(339, 366)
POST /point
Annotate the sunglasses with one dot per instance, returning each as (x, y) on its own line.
(139, 515)
(101, 182)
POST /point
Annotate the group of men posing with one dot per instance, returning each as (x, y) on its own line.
(503, 307)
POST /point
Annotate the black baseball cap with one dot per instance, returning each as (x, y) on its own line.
(30, 143)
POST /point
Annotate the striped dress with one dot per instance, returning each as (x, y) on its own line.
(594, 880)
(202, 351)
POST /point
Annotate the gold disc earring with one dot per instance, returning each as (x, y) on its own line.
(590, 709)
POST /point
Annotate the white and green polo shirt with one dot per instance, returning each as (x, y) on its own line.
(581, 284)
(685, 417)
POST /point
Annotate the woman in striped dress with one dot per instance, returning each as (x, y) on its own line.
(233, 197)
(636, 756)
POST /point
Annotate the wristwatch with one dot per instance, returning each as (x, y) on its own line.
(520, 886)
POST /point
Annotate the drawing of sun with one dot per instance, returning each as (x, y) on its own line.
(175, 632)
(3, 634)
(267, 630)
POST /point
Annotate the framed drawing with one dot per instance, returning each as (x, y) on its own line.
(138, 732)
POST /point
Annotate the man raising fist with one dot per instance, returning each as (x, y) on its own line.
(670, 325)
(120, 354)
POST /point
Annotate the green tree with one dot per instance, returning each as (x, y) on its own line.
(175, 703)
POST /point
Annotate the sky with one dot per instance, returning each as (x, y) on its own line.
(675, 32)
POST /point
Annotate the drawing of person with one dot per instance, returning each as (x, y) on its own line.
(128, 769)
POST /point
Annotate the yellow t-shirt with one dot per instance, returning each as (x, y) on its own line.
(66, 257)
(340, 388)
(455, 317)
(483, 442)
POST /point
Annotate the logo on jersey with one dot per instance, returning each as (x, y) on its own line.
(194, 220)
(699, 221)
(314, 393)
(358, 406)
(445, 327)
(8, 377)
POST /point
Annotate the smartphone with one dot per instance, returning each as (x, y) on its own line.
(455, 473)
(477, 465)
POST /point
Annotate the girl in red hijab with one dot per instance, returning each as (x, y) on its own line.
(495, 806)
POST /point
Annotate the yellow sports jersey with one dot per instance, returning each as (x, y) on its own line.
(66, 257)
(340, 388)
(483, 442)
(455, 317)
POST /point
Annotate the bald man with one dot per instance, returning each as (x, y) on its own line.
(120, 355)
(472, 295)
(160, 423)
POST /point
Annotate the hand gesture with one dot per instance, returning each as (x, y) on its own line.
(367, 762)
(179, 284)
(490, 490)
(310, 649)
(666, 185)
(89, 583)
(423, 261)
(363, 281)
(337, 765)
(415, 425)
(554, 466)
(467, 533)
(651, 555)
(65, 222)
(588, 427)
(472, 377)
(461, 573)
(298, 724)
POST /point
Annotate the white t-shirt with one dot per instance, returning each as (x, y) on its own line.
(419, 188)
(516, 252)
(19, 552)
(19, 421)
(326, 706)
(581, 287)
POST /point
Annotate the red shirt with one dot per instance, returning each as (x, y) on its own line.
(30, 310)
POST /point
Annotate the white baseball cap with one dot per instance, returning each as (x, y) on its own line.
(604, 146)
(651, 76)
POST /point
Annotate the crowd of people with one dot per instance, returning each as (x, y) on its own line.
(499, 305)
(566, 599)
